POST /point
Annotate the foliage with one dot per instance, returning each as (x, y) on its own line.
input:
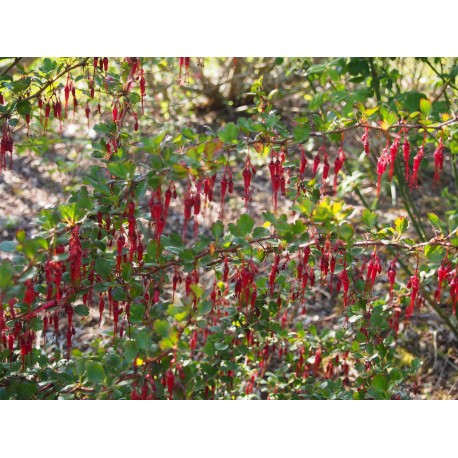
(191, 303)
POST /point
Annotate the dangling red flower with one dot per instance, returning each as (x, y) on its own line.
(382, 163)
(391, 274)
(392, 158)
(406, 154)
(416, 166)
(338, 164)
(414, 285)
(365, 140)
(438, 160)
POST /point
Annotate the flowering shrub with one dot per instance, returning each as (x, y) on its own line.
(195, 287)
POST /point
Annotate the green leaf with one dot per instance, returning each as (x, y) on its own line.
(23, 107)
(411, 100)
(301, 133)
(434, 253)
(261, 232)
(360, 337)
(48, 65)
(345, 231)
(131, 351)
(228, 133)
(272, 121)
(304, 206)
(21, 85)
(71, 213)
(379, 383)
(136, 289)
(261, 255)
(118, 294)
(401, 224)
(102, 286)
(81, 310)
(245, 224)
(179, 313)
(6, 274)
(389, 117)
(186, 255)
(156, 162)
(8, 246)
(245, 124)
(376, 317)
(134, 97)
(369, 112)
(218, 229)
(21, 235)
(36, 324)
(166, 343)
(103, 268)
(137, 312)
(426, 107)
(157, 139)
(143, 340)
(317, 101)
(95, 372)
(204, 307)
(270, 217)
(221, 346)
(435, 221)
(127, 271)
(161, 327)
(197, 290)
(118, 169)
(101, 128)
(188, 133)
(369, 218)
(319, 68)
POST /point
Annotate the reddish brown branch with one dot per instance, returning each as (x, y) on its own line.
(176, 262)
(47, 305)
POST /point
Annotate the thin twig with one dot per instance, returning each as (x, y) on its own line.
(16, 60)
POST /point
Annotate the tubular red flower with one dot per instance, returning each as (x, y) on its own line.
(303, 161)
(382, 163)
(414, 286)
(391, 274)
(438, 161)
(392, 157)
(453, 283)
(406, 154)
(338, 164)
(374, 267)
(365, 140)
(416, 166)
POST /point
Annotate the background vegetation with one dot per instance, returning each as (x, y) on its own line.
(163, 219)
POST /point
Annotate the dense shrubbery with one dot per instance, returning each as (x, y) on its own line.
(197, 286)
